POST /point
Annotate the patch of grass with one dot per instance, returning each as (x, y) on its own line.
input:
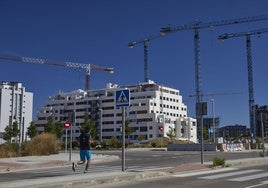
(218, 161)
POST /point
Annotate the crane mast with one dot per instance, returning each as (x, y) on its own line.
(252, 114)
(196, 27)
(145, 43)
(200, 25)
(87, 67)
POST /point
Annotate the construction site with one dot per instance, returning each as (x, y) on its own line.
(152, 104)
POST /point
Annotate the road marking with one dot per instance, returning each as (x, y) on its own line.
(251, 177)
(203, 172)
(229, 174)
(258, 185)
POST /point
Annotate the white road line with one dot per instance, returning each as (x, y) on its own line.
(203, 172)
(258, 185)
(230, 174)
(247, 178)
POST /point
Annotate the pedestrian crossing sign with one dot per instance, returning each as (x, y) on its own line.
(122, 98)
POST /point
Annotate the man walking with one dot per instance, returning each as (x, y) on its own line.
(85, 152)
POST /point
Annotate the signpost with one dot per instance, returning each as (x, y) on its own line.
(201, 110)
(71, 118)
(122, 100)
(66, 126)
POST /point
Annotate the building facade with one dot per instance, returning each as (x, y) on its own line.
(234, 131)
(16, 105)
(209, 124)
(261, 121)
(151, 106)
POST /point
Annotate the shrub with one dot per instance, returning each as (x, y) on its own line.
(115, 143)
(218, 161)
(8, 150)
(43, 144)
(153, 144)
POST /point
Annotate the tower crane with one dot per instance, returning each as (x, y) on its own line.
(87, 67)
(196, 27)
(251, 101)
(200, 25)
(145, 43)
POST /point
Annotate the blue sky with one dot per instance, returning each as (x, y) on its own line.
(98, 31)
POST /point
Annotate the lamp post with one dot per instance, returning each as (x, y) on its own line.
(262, 129)
(213, 120)
(100, 125)
(262, 134)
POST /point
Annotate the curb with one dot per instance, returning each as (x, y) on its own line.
(84, 180)
(112, 179)
(247, 162)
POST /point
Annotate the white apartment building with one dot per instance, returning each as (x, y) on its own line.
(151, 107)
(16, 105)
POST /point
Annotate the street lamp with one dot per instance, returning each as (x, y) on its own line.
(262, 129)
(100, 125)
(262, 134)
(213, 120)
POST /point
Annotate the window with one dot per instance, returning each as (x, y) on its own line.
(108, 108)
(108, 115)
(143, 129)
(107, 100)
(142, 112)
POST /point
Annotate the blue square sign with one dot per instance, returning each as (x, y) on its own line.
(122, 98)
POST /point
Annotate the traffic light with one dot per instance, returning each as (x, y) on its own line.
(161, 128)
(66, 124)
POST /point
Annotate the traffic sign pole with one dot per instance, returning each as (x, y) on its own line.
(66, 145)
(123, 140)
(122, 99)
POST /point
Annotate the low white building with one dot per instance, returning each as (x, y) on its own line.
(186, 129)
(151, 106)
(16, 105)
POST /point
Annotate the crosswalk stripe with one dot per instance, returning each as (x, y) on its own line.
(229, 174)
(258, 185)
(203, 172)
(251, 177)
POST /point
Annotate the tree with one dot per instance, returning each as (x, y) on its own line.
(12, 131)
(58, 129)
(171, 133)
(50, 125)
(205, 134)
(8, 133)
(32, 130)
(89, 124)
(53, 128)
(128, 129)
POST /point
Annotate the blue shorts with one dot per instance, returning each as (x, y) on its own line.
(85, 155)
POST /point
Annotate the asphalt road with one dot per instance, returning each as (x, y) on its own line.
(136, 161)
(253, 177)
(174, 158)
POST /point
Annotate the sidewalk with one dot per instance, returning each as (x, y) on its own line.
(61, 159)
(84, 180)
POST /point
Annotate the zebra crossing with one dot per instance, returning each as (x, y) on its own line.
(231, 174)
